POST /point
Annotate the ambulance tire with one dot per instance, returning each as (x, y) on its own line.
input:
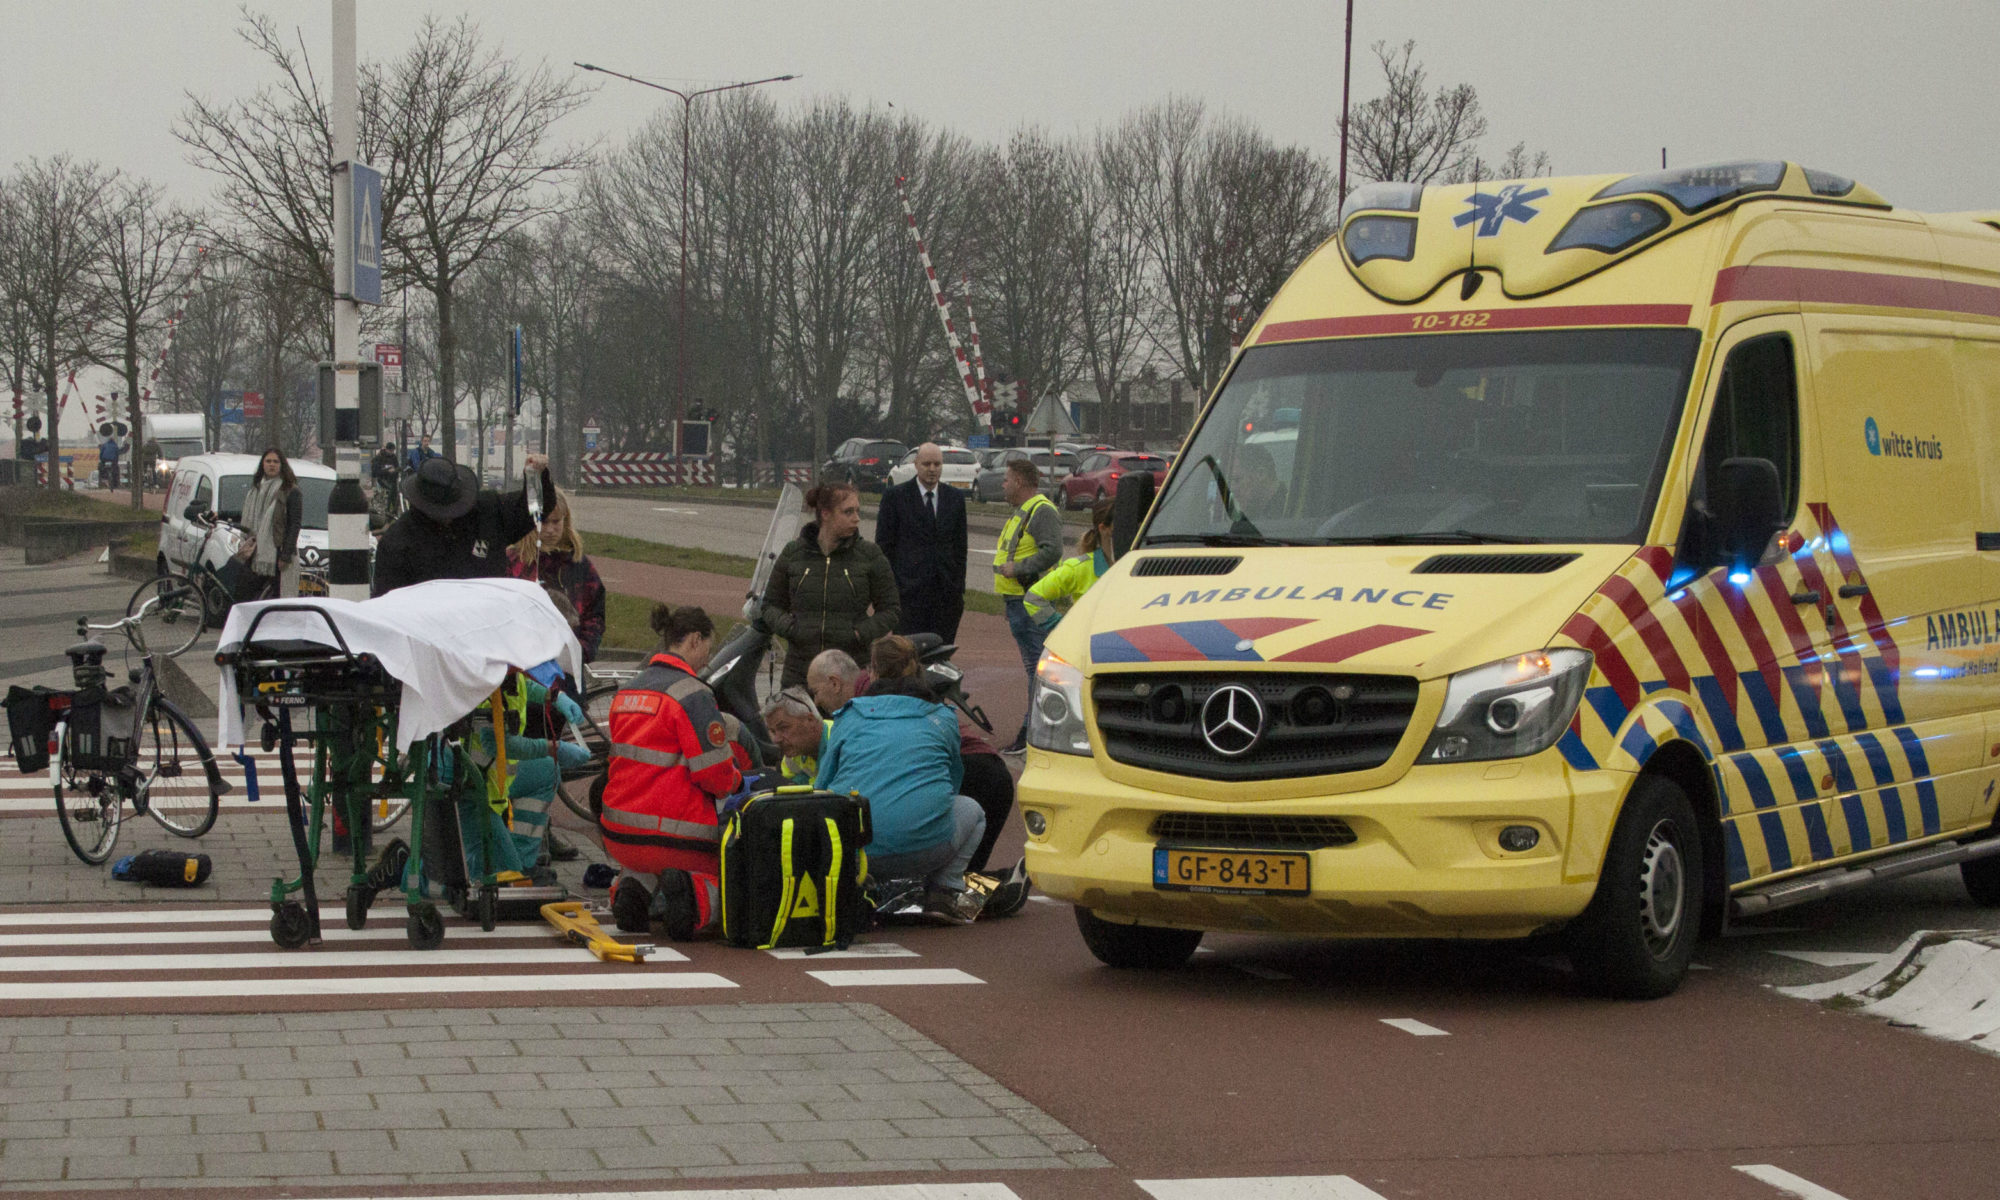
(1146, 947)
(1982, 880)
(1636, 938)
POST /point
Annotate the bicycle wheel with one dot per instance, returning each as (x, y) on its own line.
(89, 820)
(174, 762)
(595, 734)
(385, 812)
(177, 617)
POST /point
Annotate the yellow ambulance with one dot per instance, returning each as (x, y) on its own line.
(1611, 555)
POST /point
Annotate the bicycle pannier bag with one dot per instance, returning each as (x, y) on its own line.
(30, 721)
(792, 864)
(102, 726)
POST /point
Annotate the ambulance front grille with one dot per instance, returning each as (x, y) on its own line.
(1244, 831)
(1314, 724)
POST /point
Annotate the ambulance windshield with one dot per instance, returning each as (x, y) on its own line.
(1556, 436)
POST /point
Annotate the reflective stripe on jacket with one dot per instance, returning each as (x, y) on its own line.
(1018, 545)
(670, 757)
(1055, 592)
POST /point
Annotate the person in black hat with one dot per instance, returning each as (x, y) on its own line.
(453, 530)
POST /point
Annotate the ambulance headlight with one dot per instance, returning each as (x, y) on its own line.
(1055, 708)
(1509, 709)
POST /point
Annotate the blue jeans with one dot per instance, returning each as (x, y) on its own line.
(941, 867)
(1028, 638)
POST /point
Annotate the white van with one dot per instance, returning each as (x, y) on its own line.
(217, 483)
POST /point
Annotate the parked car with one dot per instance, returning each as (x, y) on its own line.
(217, 483)
(961, 466)
(864, 462)
(1056, 466)
(1097, 475)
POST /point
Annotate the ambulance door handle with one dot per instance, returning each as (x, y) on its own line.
(1812, 598)
(1849, 591)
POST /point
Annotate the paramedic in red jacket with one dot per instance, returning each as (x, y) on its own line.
(672, 757)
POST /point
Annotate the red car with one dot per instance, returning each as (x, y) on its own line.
(1096, 477)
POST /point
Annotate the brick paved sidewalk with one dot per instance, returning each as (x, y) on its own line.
(468, 1096)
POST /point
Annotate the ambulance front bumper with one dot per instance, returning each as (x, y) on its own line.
(1425, 857)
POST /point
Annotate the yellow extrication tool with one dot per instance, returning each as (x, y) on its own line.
(574, 920)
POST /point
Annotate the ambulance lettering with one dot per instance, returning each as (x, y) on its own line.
(1954, 630)
(1404, 599)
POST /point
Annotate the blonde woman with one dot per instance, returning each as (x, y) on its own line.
(553, 556)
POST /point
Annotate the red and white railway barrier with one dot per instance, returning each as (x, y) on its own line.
(643, 468)
(980, 407)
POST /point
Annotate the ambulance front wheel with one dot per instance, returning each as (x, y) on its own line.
(1982, 879)
(1136, 946)
(1636, 938)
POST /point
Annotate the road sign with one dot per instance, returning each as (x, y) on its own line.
(358, 247)
(253, 405)
(590, 435)
(232, 407)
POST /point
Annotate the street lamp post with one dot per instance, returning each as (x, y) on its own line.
(687, 100)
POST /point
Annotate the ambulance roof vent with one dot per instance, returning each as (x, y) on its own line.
(1188, 564)
(1493, 564)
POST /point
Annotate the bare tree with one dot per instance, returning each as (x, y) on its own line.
(56, 235)
(470, 138)
(1411, 134)
(837, 162)
(150, 250)
(210, 339)
(1025, 275)
(1107, 256)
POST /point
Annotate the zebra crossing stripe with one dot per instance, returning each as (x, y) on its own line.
(1788, 1183)
(281, 960)
(895, 977)
(549, 983)
(898, 1191)
(385, 928)
(1275, 1187)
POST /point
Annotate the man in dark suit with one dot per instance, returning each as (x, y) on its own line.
(921, 527)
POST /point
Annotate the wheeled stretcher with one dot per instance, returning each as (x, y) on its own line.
(380, 691)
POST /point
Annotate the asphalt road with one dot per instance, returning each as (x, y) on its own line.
(1354, 1070)
(740, 529)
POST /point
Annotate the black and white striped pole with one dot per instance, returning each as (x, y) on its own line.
(357, 280)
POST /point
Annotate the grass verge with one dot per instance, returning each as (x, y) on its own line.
(628, 623)
(19, 501)
(612, 545)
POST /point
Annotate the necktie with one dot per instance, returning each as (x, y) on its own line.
(930, 499)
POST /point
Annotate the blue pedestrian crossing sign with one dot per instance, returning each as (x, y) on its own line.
(364, 234)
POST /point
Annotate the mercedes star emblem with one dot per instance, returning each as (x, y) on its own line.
(1232, 720)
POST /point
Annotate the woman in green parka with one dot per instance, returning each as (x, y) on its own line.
(1054, 592)
(830, 589)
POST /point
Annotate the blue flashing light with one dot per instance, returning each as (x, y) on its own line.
(1838, 540)
(1611, 227)
(1369, 238)
(1739, 578)
(1693, 189)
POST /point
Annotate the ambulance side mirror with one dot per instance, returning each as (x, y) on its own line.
(1128, 509)
(1747, 504)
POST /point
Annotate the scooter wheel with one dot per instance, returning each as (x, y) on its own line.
(425, 926)
(290, 926)
(359, 901)
(489, 908)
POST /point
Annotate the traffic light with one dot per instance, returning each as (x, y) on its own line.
(1011, 420)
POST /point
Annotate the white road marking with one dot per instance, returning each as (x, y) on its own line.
(1413, 1027)
(1832, 958)
(1275, 1187)
(1788, 1183)
(386, 927)
(895, 977)
(1038, 898)
(858, 950)
(1257, 972)
(680, 512)
(552, 983)
(156, 916)
(897, 1191)
(281, 960)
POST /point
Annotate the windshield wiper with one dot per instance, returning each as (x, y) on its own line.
(1217, 539)
(1442, 537)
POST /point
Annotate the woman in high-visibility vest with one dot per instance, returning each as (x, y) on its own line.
(1055, 592)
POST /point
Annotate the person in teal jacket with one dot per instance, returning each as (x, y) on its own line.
(1055, 592)
(536, 765)
(900, 753)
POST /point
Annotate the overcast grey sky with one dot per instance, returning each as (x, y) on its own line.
(1900, 96)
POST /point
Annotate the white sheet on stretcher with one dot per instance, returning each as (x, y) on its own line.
(449, 641)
